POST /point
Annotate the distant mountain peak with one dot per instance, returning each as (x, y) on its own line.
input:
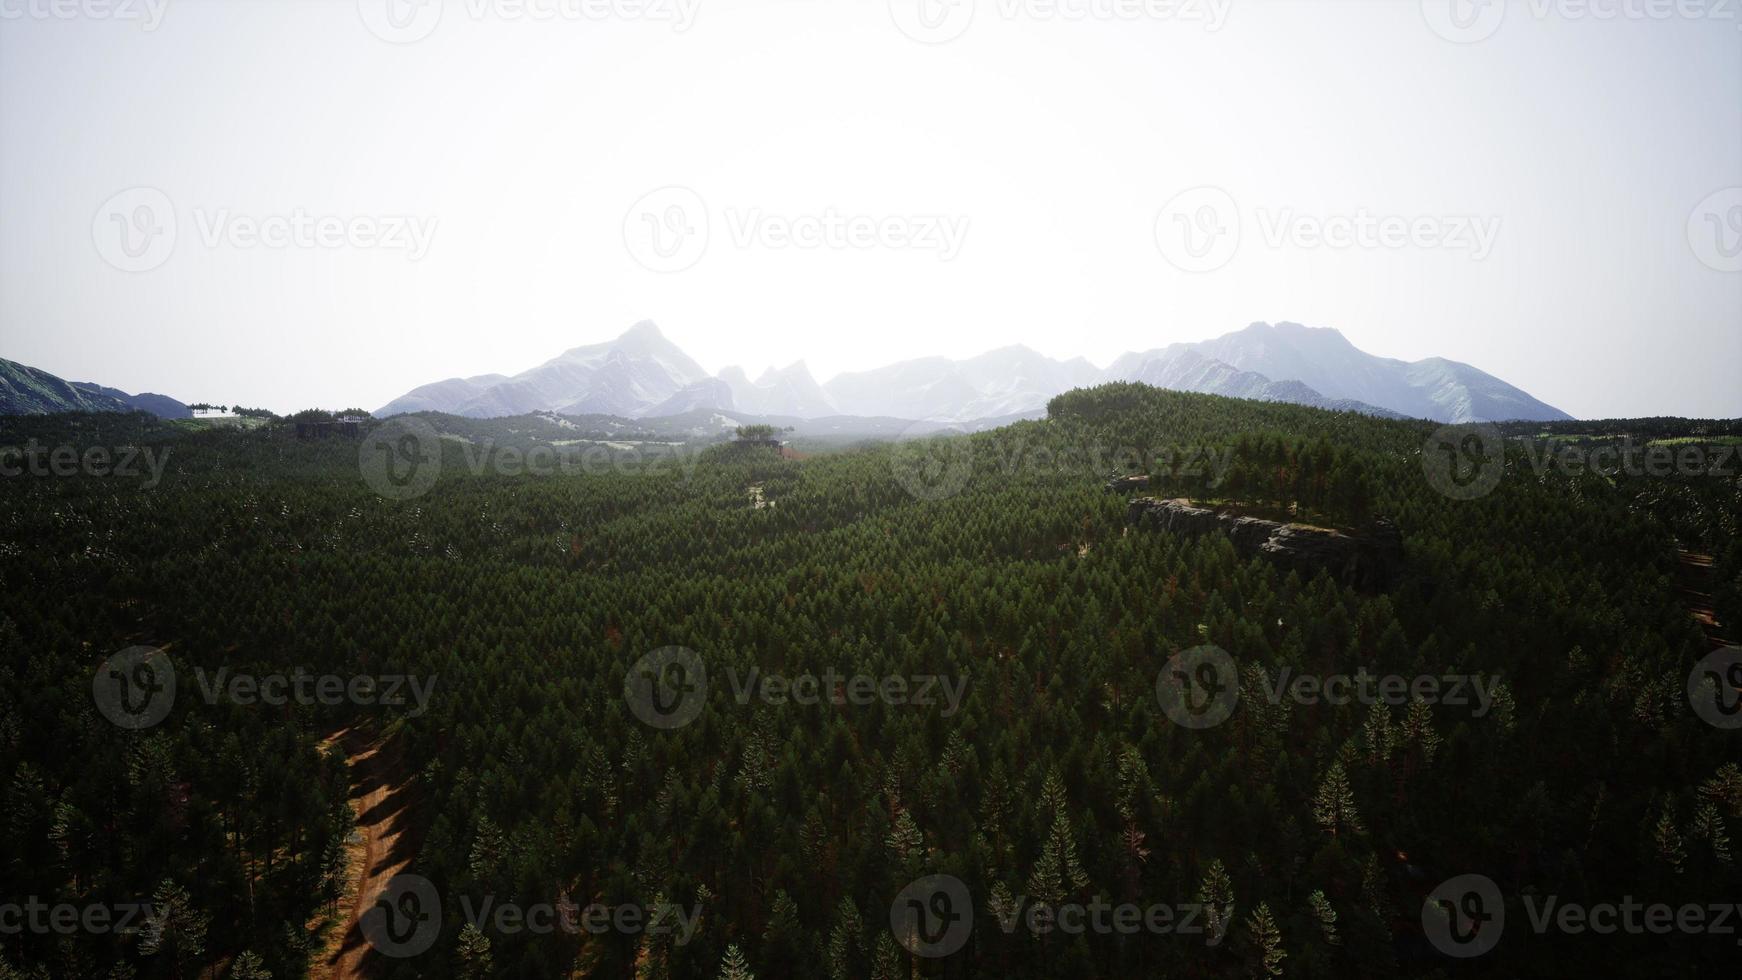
(642, 371)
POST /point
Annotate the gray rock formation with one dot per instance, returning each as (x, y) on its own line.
(1372, 560)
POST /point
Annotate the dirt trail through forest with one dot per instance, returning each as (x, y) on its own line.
(380, 849)
(1695, 581)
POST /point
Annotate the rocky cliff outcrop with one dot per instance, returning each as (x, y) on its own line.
(1371, 560)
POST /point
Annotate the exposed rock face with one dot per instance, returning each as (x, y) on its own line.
(1369, 561)
(1126, 484)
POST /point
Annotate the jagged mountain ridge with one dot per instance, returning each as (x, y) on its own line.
(25, 390)
(642, 374)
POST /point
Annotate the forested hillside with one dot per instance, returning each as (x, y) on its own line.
(995, 564)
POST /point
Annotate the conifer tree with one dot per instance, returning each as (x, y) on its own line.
(1334, 805)
(1267, 951)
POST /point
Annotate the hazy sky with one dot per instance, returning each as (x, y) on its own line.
(1524, 188)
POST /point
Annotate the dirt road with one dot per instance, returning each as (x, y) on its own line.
(380, 849)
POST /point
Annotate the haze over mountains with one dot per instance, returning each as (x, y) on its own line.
(642, 374)
(25, 390)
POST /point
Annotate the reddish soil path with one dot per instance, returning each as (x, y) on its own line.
(1695, 582)
(380, 849)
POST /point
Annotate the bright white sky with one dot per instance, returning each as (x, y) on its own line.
(1592, 142)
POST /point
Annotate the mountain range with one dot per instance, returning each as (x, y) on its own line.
(642, 374)
(25, 390)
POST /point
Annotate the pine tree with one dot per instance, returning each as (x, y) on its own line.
(905, 842)
(473, 953)
(1334, 806)
(1418, 729)
(1709, 827)
(1058, 873)
(846, 941)
(733, 966)
(1325, 915)
(886, 960)
(1670, 847)
(1216, 894)
(1376, 733)
(249, 966)
(1268, 953)
(174, 923)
